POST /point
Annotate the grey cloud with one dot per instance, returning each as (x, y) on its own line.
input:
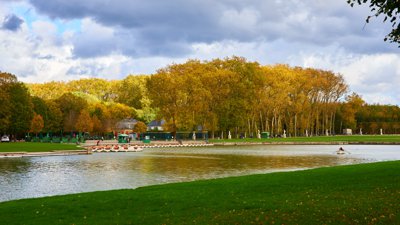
(156, 27)
(86, 69)
(46, 57)
(87, 48)
(76, 70)
(12, 22)
(87, 45)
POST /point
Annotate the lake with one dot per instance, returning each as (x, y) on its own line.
(30, 177)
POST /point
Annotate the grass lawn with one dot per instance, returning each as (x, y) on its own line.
(356, 194)
(339, 138)
(35, 147)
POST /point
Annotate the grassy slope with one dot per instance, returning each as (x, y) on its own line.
(35, 147)
(365, 194)
(353, 138)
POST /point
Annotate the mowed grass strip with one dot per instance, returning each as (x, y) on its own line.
(356, 194)
(36, 147)
(327, 139)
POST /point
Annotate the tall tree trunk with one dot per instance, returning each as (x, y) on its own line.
(261, 122)
(295, 125)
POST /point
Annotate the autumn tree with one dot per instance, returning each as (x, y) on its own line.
(117, 112)
(49, 90)
(100, 88)
(353, 105)
(7, 78)
(70, 106)
(84, 122)
(37, 123)
(246, 78)
(166, 95)
(244, 97)
(140, 127)
(219, 96)
(100, 111)
(216, 83)
(97, 125)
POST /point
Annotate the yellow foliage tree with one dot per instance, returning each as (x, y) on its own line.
(84, 122)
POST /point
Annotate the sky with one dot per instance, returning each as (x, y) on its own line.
(61, 40)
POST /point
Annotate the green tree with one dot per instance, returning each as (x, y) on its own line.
(54, 117)
(390, 9)
(131, 90)
(21, 109)
(39, 105)
(6, 80)
(5, 110)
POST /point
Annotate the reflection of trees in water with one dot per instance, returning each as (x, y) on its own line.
(14, 165)
(182, 164)
(201, 164)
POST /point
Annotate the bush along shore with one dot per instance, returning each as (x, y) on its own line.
(356, 194)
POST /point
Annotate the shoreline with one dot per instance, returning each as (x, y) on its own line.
(192, 145)
(306, 143)
(38, 154)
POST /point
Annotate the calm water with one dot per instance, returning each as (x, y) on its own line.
(54, 175)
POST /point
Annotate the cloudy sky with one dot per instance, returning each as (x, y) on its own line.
(42, 40)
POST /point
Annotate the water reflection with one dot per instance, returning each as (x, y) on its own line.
(43, 176)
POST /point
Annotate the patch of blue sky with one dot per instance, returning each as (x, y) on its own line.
(29, 15)
(25, 13)
(68, 25)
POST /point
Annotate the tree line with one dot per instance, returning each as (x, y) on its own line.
(217, 96)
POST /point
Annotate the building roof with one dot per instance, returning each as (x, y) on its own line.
(156, 123)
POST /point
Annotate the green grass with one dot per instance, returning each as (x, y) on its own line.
(341, 138)
(357, 194)
(35, 147)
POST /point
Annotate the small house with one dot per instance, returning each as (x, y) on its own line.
(156, 125)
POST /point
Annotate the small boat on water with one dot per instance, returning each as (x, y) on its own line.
(341, 151)
(116, 148)
(135, 149)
